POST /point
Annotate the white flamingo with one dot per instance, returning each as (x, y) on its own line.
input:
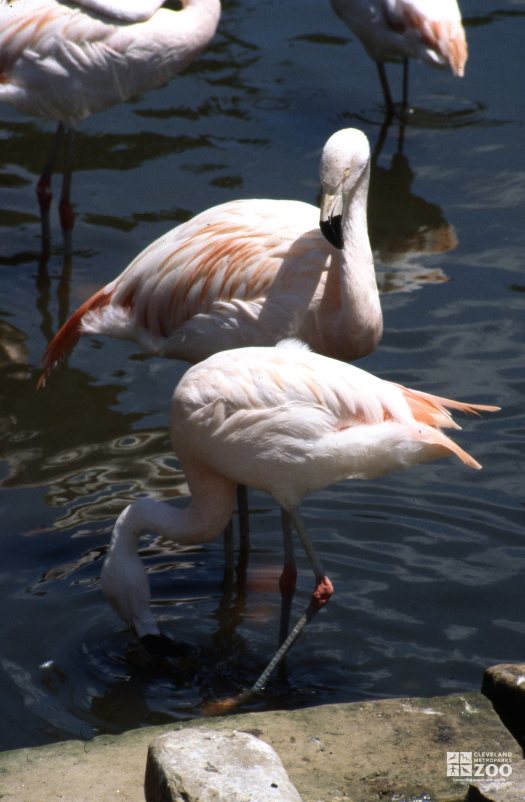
(288, 422)
(251, 272)
(67, 60)
(392, 30)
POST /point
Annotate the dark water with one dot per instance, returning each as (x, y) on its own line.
(428, 565)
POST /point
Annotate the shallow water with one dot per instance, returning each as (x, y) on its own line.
(428, 564)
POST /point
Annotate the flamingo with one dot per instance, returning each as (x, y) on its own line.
(68, 60)
(427, 30)
(288, 422)
(251, 272)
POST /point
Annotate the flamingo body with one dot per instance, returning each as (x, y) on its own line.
(251, 272)
(288, 422)
(65, 61)
(391, 30)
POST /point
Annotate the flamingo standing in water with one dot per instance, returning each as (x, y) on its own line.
(251, 272)
(288, 422)
(67, 60)
(390, 30)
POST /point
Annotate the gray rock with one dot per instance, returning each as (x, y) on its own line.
(504, 685)
(510, 790)
(205, 765)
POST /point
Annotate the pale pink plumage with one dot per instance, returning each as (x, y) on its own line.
(65, 61)
(288, 422)
(427, 30)
(251, 272)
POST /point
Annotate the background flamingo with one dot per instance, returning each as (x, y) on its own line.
(66, 61)
(286, 421)
(427, 30)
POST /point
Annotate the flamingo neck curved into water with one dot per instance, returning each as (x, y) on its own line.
(288, 422)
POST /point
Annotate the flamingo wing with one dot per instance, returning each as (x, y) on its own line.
(234, 274)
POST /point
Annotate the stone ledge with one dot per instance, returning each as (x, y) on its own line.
(393, 749)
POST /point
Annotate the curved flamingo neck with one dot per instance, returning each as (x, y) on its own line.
(124, 579)
(358, 321)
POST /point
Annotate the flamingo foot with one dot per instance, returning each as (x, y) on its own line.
(322, 592)
(222, 707)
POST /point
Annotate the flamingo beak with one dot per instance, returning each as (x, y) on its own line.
(331, 218)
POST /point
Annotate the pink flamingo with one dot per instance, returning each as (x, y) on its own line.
(250, 272)
(288, 422)
(427, 30)
(67, 60)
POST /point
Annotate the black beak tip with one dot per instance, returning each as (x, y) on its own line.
(332, 230)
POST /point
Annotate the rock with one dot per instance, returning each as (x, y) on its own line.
(205, 765)
(504, 685)
(511, 789)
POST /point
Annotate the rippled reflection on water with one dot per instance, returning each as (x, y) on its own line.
(428, 565)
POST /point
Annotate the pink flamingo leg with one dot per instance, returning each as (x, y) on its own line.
(288, 578)
(43, 187)
(320, 596)
(65, 209)
(244, 542)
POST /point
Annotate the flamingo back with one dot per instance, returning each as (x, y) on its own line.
(289, 421)
(64, 62)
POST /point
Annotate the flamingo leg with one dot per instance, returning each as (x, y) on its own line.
(244, 542)
(244, 533)
(43, 187)
(227, 536)
(65, 209)
(320, 596)
(405, 86)
(288, 578)
(390, 108)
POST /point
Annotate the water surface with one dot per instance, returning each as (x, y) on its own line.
(427, 565)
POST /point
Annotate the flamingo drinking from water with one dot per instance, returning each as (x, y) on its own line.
(392, 30)
(67, 60)
(288, 422)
